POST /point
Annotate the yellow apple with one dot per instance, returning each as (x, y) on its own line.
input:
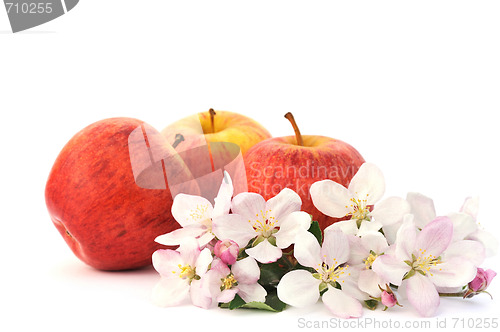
(212, 142)
(215, 126)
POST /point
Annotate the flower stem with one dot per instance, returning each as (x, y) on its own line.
(298, 136)
(459, 294)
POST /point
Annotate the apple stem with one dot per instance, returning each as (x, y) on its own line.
(298, 136)
(178, 139)
(212, 119)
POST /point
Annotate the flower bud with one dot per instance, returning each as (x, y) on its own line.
(227, 251)
(388, 299)
(482, 280)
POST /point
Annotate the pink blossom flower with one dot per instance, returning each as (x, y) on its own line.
(480, 283)
(181, 274)
(272, 225)
(360, 202)
(223, 283)
(227, 251)
(388, 299)
(482, 280)
(338, 280)
(195, 215)
(420, 264)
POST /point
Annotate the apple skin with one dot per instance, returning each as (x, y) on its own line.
(229, 127)
(108, 221)
(279, 162)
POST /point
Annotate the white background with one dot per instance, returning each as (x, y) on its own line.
(414, 86)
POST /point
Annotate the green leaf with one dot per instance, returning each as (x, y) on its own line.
(236, 303)
(273, 303)
(271, 274)
(316, 231)
(371, 304)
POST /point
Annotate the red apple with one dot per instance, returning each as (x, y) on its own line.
(108, 196)
(296, 162)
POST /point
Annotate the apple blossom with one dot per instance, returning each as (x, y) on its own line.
(227, 251)
(364, 251)
(223, 283)
(465, 226)
(387, 297)
(480, 283)
(272, 225)
(195, 214)
(365, 189)
(181, 274)
(419, 263)
(331, 275)
(490, 243)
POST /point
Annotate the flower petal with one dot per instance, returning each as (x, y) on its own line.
(227, 295)
(331, 198)
(190, 209)
(203, 261)
(471, 206)
(369, 282)
(422, 295)
(489, 241)
(246, 271)
(177, 236)
(463, 225)
(453, 273)
(467, 249)
(390, 268)
(335, 250)
(368, 227)
(198, 296)
(435, 237)
(189, 251)
(358, 251)
(422, 207)
(170, 292)
(391, 231)
(341, 304)
(165, 261)
(291, 225)
(233, 227)
(348, 227)
(368, 183)
(223, 199)
(248, 205)
(298, 288)
(307, 250)
(349, 282)
(286, 202)
(390, 210)
(205, 238)
(212, 279)
(264, 252)
(406, 237)
(374, 241)
(252, 292)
